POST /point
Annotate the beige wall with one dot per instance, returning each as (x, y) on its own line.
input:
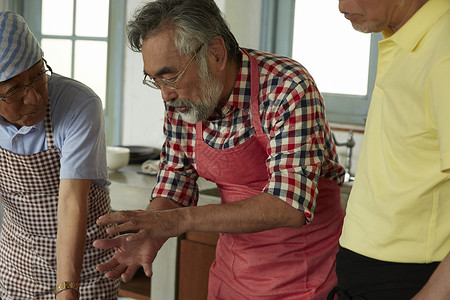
(3, 4)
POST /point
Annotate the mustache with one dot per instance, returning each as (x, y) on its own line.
(180, 103)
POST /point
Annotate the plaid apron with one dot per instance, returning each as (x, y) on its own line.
(29, 187)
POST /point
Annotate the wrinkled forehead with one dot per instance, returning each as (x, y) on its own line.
(159, 51)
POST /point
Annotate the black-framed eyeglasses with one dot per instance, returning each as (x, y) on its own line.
(171, 83)
(20, 92)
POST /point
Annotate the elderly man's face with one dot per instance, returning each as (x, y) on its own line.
(375, 15)
(31, 108)
(196, 95)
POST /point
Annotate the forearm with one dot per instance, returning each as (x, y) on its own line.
(438, 286)
(259, 213)
(70, 244)
(161, 203)
(164, 218)
(71, 236)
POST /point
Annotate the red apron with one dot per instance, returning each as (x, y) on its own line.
(29, 190)
(283, 263)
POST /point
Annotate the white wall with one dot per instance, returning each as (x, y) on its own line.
(244, 19)
(143, 109)
(3, 5)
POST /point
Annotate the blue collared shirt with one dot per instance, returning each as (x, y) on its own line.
(78, 130)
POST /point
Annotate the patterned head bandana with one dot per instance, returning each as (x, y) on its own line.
(19, 49)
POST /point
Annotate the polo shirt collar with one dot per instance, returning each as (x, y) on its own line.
(410, 34)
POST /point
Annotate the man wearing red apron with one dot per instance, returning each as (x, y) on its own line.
(271, 254)
(254, 124)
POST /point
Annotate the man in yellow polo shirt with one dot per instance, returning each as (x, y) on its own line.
(397, 228)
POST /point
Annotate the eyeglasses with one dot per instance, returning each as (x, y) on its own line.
(20, 92)
(171, 83)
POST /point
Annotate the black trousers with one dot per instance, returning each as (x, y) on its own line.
(364, 278)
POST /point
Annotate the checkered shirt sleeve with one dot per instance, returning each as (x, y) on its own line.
(293, 117)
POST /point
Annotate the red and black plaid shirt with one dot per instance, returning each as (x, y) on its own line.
(292, 115)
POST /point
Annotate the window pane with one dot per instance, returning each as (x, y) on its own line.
(90, 65)
(58, 53)
(57, 17)
(334, 53)
(92, 18)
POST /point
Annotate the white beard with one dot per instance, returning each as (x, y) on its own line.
(202, 110)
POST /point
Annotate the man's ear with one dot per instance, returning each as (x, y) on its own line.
(218, 54)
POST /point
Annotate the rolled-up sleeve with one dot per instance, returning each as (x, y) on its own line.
(177, 178)
(296, 147)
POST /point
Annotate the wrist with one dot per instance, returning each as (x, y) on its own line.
(67, 295)
(67, 287)
(186, 219)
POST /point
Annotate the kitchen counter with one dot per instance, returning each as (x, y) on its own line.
(131, 189)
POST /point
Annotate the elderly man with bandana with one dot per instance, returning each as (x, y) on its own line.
(53, 176)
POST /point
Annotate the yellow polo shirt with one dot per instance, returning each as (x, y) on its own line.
(399, 207)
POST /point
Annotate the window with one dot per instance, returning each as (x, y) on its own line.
(330, 48)
(74, 38)
(341, 60)
(78, 47)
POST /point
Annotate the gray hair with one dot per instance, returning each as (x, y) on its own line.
(196, 23)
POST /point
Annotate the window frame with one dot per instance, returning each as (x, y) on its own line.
(277, 31)
(32, 12)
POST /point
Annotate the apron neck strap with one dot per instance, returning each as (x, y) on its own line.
(48, 128)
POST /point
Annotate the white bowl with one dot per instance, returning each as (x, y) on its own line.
(117, 157)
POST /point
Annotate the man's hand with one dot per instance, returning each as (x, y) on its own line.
(155, 224)
(129, 256)
(133, 250)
